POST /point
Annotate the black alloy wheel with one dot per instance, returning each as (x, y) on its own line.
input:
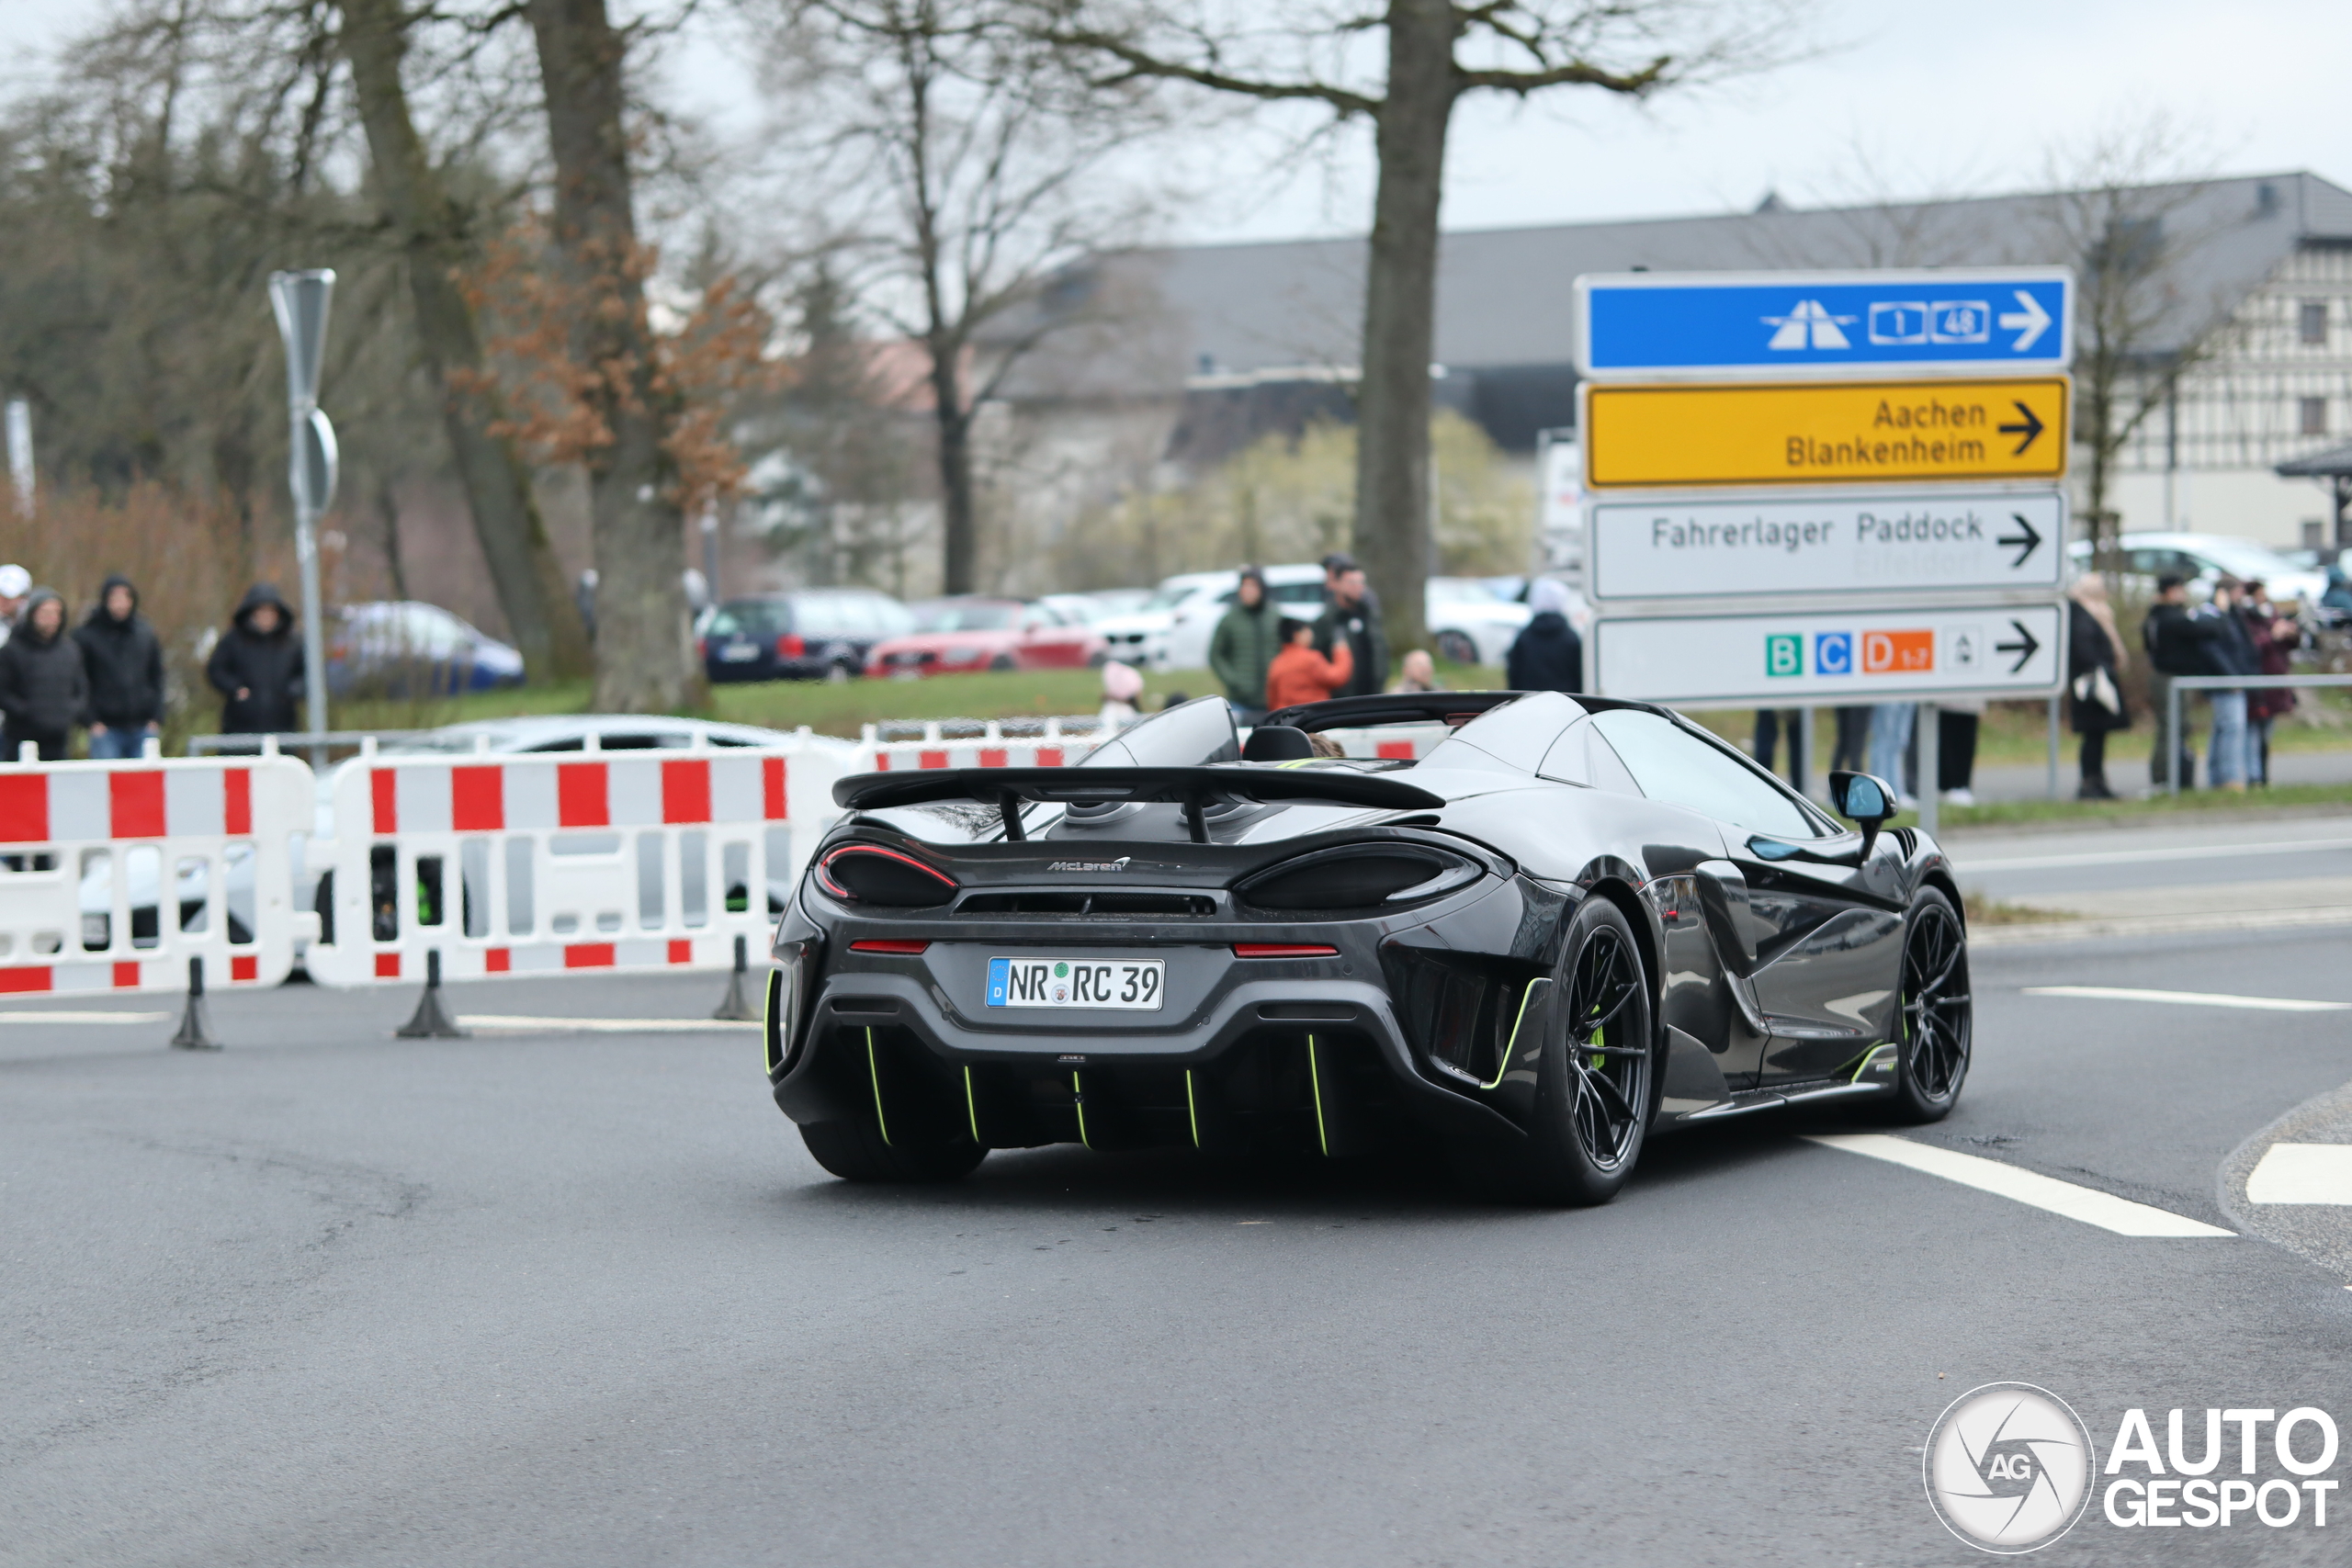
(1456, 647)
(1593, 1101)
(1934, 1014)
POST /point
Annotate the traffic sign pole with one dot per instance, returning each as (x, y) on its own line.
(299, 300)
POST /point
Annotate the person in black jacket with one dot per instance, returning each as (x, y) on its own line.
(124, 661)
(258, 665)
(1547, 655)
(43, 691)
(2178, 643)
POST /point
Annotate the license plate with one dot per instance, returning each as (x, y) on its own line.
(1129, 983)
(738, 653)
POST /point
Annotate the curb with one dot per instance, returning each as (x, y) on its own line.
(2316, 1233)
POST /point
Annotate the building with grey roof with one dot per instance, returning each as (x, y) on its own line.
(2237, 293)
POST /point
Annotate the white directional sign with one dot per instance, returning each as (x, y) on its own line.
(1881, 655)
(1913, 541)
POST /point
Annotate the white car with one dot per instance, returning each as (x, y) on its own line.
(2202, 558)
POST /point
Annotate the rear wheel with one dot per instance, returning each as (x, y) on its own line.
(1592, 1100)
(1456, 647)
(855, 1151)
(1935, 1017)
(1002, 661)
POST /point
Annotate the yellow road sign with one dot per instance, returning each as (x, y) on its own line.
(1808, 432)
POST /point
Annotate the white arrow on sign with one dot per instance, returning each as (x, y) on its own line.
(2032, 321)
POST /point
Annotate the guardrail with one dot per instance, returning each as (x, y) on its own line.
(2226, 683)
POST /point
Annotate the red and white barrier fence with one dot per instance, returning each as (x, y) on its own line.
(114, 875)
(629, 861)
(992, 748)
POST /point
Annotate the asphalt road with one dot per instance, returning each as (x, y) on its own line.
(581, 1299)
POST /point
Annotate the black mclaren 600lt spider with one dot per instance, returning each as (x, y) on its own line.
(1571, 924)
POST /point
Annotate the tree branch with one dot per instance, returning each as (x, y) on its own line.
(1634, 83)
(1140, 63)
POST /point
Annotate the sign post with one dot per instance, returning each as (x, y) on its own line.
(301, 301)
(1826, 487)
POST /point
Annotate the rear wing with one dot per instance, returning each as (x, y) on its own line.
(1192, 788)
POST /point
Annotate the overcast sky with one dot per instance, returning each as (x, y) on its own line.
(1940, 98)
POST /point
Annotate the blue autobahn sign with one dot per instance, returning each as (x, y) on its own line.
(1812, 324)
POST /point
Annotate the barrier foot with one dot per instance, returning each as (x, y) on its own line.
(196, 1023)
(431, 1021)
(736, 1007)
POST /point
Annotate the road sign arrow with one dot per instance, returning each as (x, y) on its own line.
(2029, 323)
(2024, 650)
(2030, 540)
(2031, 427)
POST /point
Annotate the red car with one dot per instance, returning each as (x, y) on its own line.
(966, 633)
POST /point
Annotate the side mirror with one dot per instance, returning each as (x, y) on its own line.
(1866, 799)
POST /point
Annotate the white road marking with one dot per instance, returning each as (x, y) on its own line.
(2303, 1173)
(2087, 1204)
(2138, 857)
(2188, 999)
(515, 1023)
(28, 1016)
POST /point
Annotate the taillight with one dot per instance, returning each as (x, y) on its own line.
(1283, 950)
(791, 645)
(868, 873)
(702, 648)
(1358, 878)
(898, 946)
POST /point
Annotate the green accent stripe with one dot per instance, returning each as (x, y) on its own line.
(874, 1071)
(1868, 1056)
(1192, 1107)
(1512, 1048)
(1077, 1099)
(971, 1106)
(1315, 1078)
(771, 1042)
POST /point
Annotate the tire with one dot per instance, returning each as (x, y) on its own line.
(1002, 662)
(855, 1152)
(1934, 1017)
(1456, 647)
(1596, 1085)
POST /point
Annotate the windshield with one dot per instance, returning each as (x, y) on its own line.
(966, 615)
(2244, 560)
(1190, 736)
(1169, 597)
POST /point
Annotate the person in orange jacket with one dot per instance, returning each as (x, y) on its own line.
(1299, 674)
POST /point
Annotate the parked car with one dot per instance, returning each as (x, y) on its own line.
(1172, 628)
(2202, 558)
(815, 634)
(403, 648)
(967, 632)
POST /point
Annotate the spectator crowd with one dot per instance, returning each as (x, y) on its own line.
(104, 676)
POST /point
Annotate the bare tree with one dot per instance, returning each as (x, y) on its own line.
(973, 167)
(644, 652)
(2122, 213)
(1436, 53)
(432, 233)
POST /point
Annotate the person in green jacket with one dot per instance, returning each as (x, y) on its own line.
(1244, 643)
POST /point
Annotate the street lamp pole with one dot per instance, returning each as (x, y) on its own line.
(299, 300)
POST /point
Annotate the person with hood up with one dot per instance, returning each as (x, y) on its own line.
(124, 661)
(258, 665)
(1547, 655)
(43, 690)
(1244, 645)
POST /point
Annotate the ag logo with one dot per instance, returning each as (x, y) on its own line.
(2008, 1468)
